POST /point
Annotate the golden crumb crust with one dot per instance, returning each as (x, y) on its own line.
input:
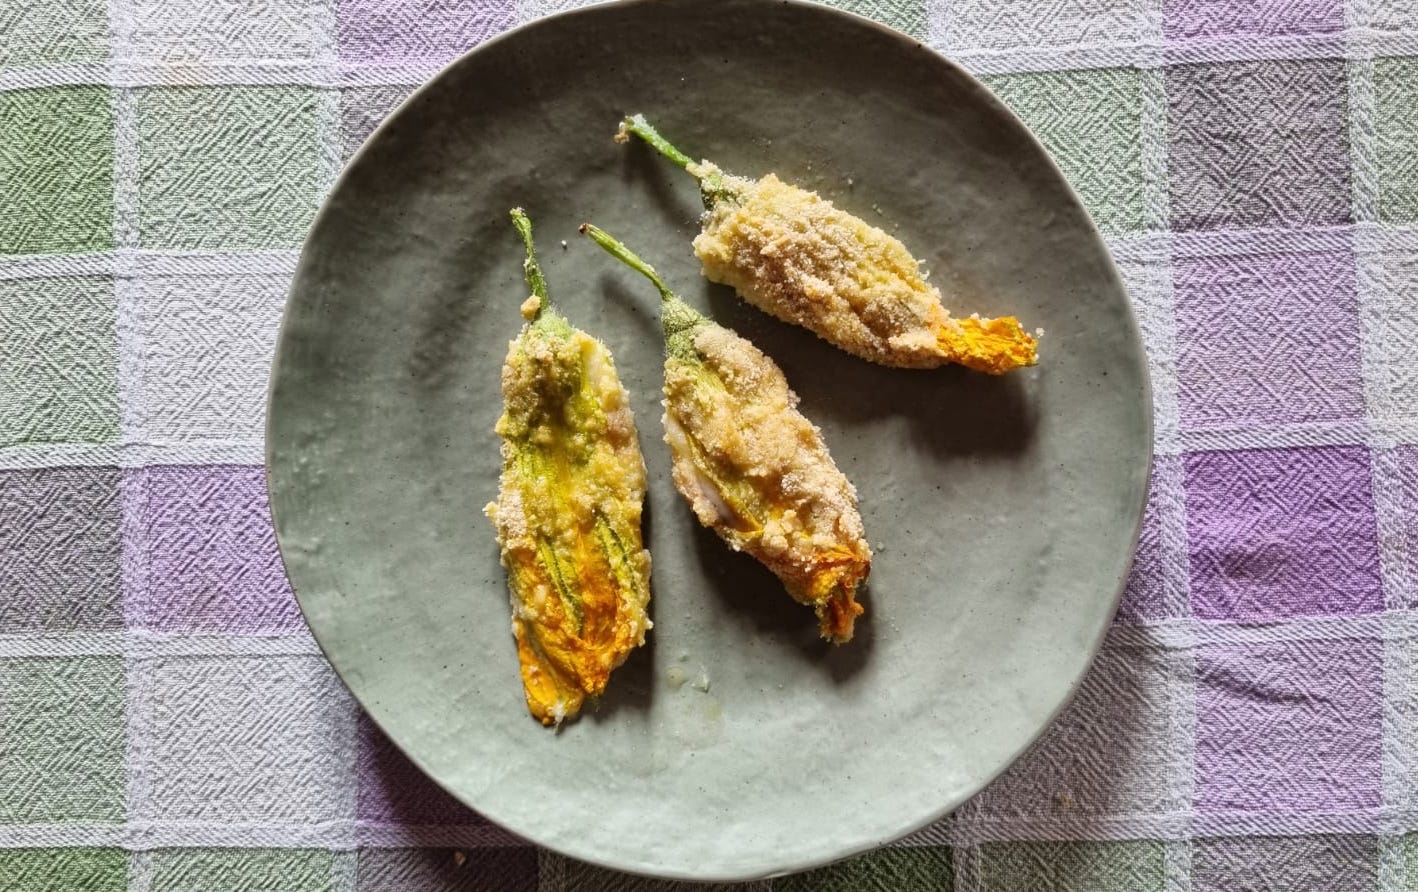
(793, 254)
(567, 516)
(754, 469)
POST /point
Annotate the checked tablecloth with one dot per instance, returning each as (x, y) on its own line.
(166, 723)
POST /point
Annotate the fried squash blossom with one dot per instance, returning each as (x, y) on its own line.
(794, 255)
(751, 466)
(568, 512)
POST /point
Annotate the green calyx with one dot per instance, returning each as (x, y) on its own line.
(681, 323)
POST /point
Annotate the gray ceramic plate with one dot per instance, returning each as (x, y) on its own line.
(1003, 510)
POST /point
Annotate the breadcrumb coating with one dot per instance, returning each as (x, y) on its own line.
(568, 512)
(754, 469)
(751, 466)
(796, 256)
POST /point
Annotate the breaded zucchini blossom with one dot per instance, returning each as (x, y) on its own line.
(796, 256)
(567, 515)
(750, 465)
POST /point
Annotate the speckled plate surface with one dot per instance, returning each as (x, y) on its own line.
(1003, 510)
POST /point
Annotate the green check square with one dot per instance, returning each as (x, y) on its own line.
(250, 870)
(59, 368)
(46, 32)
(64, 870)
(227, 167)
(1075, 866)
(56, 170)
(62, 741)
(1396, 98)
(1091, 123)
(908, 16)
(925, 869)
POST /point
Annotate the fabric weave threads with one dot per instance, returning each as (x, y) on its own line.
(168, 725)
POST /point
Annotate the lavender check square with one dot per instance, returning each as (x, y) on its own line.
(1331, 863)
(1266, 340)
(393, 791)
(1289, 726)
(421, 31)
(364, 108)
(1282, 533)
(1258, 144)
(1191, 19)
(59, 551)
(528, 10)
(201, 553)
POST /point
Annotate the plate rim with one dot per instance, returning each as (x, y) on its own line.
(1095, 644)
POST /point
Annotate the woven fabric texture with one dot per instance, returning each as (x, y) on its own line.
(167, 724)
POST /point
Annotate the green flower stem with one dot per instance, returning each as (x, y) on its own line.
(678, 320)
(531, 270)
(714, 186)
(637, 125)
